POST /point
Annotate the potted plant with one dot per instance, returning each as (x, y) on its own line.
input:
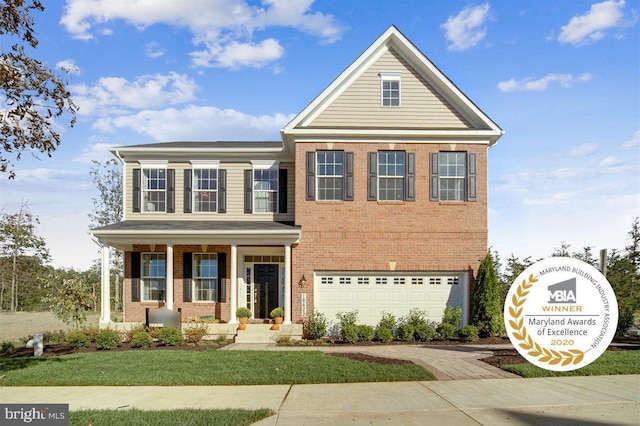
(277, 314)
(243, 315)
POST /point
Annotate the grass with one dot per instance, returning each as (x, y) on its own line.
(148, 368)
(610, 362)
(187, 417)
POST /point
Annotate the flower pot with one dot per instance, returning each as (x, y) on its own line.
(243, 323)
(278, 321)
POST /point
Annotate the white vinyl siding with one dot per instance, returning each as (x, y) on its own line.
(374, 293)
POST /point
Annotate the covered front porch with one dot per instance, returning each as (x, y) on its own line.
(203, 268)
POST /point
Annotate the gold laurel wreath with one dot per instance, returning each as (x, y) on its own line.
(571, 356)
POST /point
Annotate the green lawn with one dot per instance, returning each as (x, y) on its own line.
(188, 417)
(199, 368)
(610, 362)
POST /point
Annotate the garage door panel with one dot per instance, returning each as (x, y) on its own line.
(372, 300)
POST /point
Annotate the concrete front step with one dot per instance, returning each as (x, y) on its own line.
(257, 333)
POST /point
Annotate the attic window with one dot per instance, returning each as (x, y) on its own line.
(390, 88)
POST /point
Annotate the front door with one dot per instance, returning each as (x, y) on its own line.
(265, 290)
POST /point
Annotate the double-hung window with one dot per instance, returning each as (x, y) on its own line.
(390, 88)
(330, 174)
(452, 166)
(153, 276)
(453, 176)
(154, 190)
(265, 190)
(205, 190)
(391, 172)
(205, 277)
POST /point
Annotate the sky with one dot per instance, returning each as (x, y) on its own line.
(561, 78)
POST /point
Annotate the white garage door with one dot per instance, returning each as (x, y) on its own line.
(372, 295)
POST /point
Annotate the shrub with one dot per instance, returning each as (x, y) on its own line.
(349, 333)
(7, 347)
(108, 339)
(171, 336)
(243, 312)
(416, 316)
(316, 326)
(424, 332)
(128, 335)
(487, 305)
(384, 334)
(54, 337)
(78, 340)
(452, 315)
(446, 331)
(625, 320)
(141, 339)
(347, 318)
(153, 331)
(277, 312)
(387, 321)
(468, 333)
(365, 333)
(195, 332)
(404, 333)
(90, 332)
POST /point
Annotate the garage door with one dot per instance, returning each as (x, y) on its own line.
(372, 295)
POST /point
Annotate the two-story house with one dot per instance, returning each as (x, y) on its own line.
(375, 199)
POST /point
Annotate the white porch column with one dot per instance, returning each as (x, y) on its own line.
(287, 284)
(105, 290)
(234, 285)
(169, 284)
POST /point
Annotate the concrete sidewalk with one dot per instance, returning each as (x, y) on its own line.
(596, 400)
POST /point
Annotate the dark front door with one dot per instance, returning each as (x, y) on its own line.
(266, 290)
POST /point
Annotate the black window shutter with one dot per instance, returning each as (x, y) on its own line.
(472, 177)
(311, 176)
(135, 276)
(434, 191)
(282, 191)
(171, 191)
(222, 277)
(187, 191)
(410, 182)
(348, 176)
(372, 176)
(248, 191)
(136, 190)
(222, 191)
(187, 274)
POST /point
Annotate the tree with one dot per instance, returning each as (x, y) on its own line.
(32, 96)
(513, 269)
(487, 305)
(70, 296)
(18, 238)
(107, 209)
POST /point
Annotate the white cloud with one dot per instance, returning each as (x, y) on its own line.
(551, 199)
(224, 27)
(236, 55)
(633, 142)
(611, 161)
(466, 29)
(111, 94)
(592, 26)
(527, 84)
(198, 123)
(154, 50)
(583, 150)
(68, 66)
(98, 152)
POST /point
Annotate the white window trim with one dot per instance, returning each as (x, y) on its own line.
(194, 291)
(144, 278)
(462, 178)
(386, 76)
(319, 176)
(204, 165)
(271, 165)
(152, 165)
(395, 177)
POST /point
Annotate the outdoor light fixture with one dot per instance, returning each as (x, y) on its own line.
(303, 281)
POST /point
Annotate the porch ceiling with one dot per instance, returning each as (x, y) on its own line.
(123, 235)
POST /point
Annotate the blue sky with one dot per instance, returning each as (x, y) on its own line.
(562, 78)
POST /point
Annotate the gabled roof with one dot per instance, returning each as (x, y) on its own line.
(480, 126)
